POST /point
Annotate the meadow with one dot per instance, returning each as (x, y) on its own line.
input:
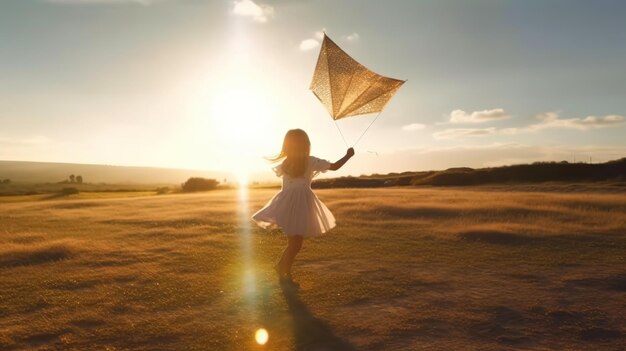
(475, 268)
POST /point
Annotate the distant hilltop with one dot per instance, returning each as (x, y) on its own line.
(49, 172)
(526, 173)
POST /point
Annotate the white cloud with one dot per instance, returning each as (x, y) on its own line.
(463, 132)
(258, 12)
(601, 121)
(547, 116)
(312, 43)
(546, 120)
(460, 116)
(353, 37)
(87, 2)
(309, 44)
(413, 127)
(583, 123)
(552, 120)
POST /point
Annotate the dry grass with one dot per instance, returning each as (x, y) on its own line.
(406, 269)
(26, 254)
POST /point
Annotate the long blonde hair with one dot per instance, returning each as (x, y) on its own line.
(295, 152)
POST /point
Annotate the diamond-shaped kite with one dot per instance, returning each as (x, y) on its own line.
(345, 87)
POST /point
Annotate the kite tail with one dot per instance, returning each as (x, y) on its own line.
(366, 129)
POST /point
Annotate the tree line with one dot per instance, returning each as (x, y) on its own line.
(74, 179)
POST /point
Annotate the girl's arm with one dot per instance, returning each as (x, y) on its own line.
(335, 166)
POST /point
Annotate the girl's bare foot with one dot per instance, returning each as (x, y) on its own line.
(290, 285)
(285, 278)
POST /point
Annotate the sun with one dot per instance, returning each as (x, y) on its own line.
(242, 119)
(237, 111)
(239, 114)
(238, 121)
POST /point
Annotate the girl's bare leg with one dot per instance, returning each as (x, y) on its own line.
(294, 245)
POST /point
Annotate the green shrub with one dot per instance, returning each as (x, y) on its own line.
(199, 184)
(69, 191)
(162, 190)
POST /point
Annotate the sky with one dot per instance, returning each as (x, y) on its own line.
(215, 85)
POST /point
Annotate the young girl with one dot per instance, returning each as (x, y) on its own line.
(295, 209)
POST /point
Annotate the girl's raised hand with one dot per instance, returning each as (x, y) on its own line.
(335, 166)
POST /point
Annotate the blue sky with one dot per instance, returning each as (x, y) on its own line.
(215, 84)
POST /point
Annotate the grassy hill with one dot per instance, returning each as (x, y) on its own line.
(44, 177)
(45, 172)
(412, 268)
(527, 173)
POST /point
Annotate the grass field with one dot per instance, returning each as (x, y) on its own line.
(406, 269)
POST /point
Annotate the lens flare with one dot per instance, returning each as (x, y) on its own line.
(242, 177)
(261, 336)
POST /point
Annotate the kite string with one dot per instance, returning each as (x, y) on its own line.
(340, 133)
(366, 129)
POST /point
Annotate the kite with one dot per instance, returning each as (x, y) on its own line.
(347, 88)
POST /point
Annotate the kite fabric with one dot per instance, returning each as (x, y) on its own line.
(345, 87)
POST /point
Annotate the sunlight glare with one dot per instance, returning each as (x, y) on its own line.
(242, 177)
(261, 336)
(249, 276)
(241, 121)
(239, 113)
(236, 109)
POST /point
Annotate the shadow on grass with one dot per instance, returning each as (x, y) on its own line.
(310, 333)
(499, 237)
(34, 255)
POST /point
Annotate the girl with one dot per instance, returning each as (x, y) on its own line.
(295, 209)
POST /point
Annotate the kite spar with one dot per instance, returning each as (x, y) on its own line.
(347, 88)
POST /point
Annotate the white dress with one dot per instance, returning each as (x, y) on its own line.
(296, 209)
